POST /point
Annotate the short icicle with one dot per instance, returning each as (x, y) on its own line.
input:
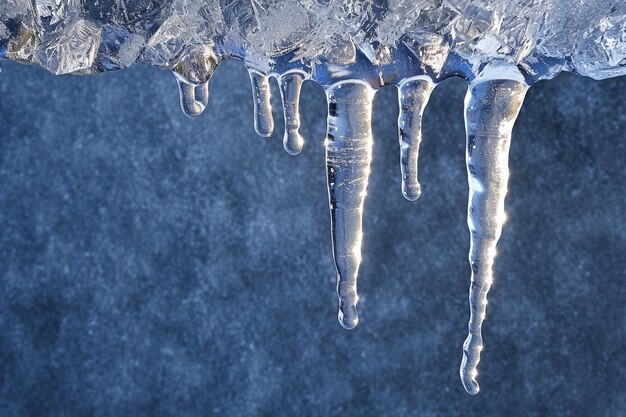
(263, 120)
(491, 107)
(413, 97)
(348, 156)
(290, 85)
(193, 98)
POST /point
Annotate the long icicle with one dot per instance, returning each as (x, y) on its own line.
(348, 156)
(263, 120)
(290, 85)
(491, 107)
(413, 97)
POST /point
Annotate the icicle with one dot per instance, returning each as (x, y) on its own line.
(193, 72)
(263, 121)
(491, 107)
(193, 99)
(348, 155)
(290, 85)
(413, 97)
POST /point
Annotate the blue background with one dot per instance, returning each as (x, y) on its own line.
(153, 265)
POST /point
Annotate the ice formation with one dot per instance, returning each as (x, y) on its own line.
(351, 48)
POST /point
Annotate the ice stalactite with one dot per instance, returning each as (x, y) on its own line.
(413, 97)
(193, 72)
(348, 155)
(491, 107)
(290, 86)
(263, 120)
(193, 98)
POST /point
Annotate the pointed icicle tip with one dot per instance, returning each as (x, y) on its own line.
(290, 86)
(261, 95)
(491, 107)
(413, 96)
(348, 156)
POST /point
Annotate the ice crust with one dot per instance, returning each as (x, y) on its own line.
(447, 37)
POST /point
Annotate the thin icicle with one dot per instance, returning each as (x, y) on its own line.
(193, 99)
(491, 107)
(290, 85)
(348, 156)
(413, 97)
(263, 120)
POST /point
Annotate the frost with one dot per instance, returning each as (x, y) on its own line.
(588, 39)
(74, 50)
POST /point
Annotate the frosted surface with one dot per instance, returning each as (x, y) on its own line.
(351, 48)
(540, 37)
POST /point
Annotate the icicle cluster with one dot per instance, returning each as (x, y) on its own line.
(351, 48)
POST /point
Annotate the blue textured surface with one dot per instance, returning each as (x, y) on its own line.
(153, 265)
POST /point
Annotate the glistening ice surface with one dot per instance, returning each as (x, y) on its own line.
(351, 48)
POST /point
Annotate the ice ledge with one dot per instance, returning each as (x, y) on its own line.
(423, 37)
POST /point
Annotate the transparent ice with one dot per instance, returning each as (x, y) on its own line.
(351, 48)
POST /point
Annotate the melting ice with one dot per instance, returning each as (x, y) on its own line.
(351, 48)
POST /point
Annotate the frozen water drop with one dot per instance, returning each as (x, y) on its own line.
(193, 99)
(413, 97)
(193, 72)
(290, 85)
(348, 156)
(491, 107)
(263, 120)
